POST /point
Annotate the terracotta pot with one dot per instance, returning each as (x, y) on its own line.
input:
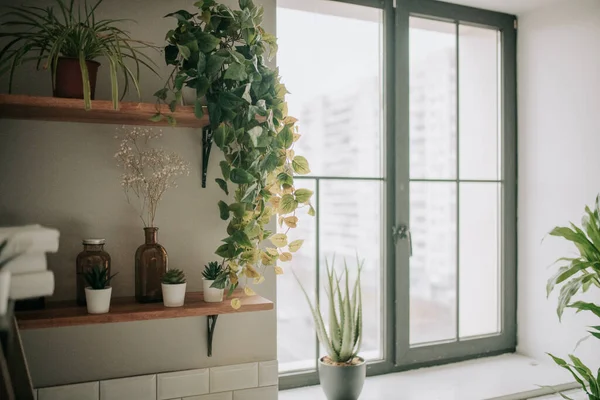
(68, 78)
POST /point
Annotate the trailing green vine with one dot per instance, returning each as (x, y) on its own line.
(221, 54)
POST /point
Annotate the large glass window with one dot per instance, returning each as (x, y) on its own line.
(407, 116)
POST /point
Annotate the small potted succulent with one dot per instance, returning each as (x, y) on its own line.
(97, 294)
(211, 272)
(173, 288)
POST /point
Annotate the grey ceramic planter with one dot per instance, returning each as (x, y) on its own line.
(342, 383)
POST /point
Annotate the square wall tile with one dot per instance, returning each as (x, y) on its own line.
(263, 393)
(214, 396)
(182, 383)
(34, 394)
(79, 391)
(136, 388)
(232, 377)
(268, 373)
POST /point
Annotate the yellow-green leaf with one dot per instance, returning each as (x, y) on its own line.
(287, 204)
(279, 239)
(296, 137)
(248, 291)
(278, 271)
(303, 195)
(311, 211)
(295, 245)
(300, 165)
(259, 280)
(275, 201)
(292, 222)
(271, 251)
(236, 303)
(285, 257)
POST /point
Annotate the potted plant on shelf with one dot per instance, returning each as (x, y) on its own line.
(342, 372)
(222, 55)
(211, 273)
(148, 173)
(577, 275)
(97, 294)
(68, 40)
(173, 288)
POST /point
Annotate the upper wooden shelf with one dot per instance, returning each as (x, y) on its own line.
(102, 111)
(125, 309)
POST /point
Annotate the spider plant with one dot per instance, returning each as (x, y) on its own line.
(44, 35)
(343, 339)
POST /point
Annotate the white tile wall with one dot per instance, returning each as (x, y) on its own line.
(35, 394)
(136, 388)
(182, 384)
(268, 373)
(233, 377)
(80, 391)
(263, 393)
(232, 382)
(214, 396)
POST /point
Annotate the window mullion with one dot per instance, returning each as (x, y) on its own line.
(457, 60)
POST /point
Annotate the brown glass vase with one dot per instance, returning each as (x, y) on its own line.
(93, 254)
(150, 266)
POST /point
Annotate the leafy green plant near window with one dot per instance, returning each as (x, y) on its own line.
(221, 53)
(45, 35)
(576, 276)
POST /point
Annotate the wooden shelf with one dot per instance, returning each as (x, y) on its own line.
(102, 112)
(125, 309)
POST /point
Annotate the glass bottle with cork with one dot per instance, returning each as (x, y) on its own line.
(93, 254)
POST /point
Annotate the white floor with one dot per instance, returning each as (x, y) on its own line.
(507, 377)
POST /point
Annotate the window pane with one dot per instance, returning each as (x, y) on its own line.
(296, 341)
(479, 80)
(432, 99)
(350, 226)
(433, 263)
(479, 250)
(335, 93)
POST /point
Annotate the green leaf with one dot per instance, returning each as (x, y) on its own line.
(226, 250)
(162, 93)
(285, 138)
(223, 210)
(270, 162)
(171, 121)
(300, 165)
(185, 51)
(201, 65)
(198, 108)
(254, 133)
(241, 176)
(303, 195)
(202, 86)
(242, 239)
(214, 64)
(173, 106)
(311, 211)
(206, 41)
(285, 179)
(287, 204)
(225, 169)
(583, 306)
(236, 72)
(181, 15)
(223, 185)
(223, 136)
(156, 117)
(238, 209)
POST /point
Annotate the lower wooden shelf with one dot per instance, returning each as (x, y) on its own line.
(125, 309)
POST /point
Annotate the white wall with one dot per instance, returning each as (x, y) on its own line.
(64, 175)
(559, 162)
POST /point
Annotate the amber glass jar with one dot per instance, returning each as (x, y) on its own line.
(93, 254)
(150, 266)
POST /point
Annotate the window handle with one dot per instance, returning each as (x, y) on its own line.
(402, 232)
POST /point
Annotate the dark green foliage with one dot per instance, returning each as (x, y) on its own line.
(69, 30)
(212, 271)
(97, 277)
(173, 277)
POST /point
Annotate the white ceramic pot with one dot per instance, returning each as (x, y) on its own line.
(173, 295)
(98, 301)
(211, 295)
(4, 291)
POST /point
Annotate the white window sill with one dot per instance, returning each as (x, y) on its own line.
(506, 377)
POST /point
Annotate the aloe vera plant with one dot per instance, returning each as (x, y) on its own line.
(212, 271)
(343, 339)
(173, 277)
(97, 277)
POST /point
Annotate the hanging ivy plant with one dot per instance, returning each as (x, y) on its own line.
(221, 54)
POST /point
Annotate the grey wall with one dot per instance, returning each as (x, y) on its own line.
(559, 137)
(63, 175)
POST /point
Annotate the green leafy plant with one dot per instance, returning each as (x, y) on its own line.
(44, 35)
(577, 276)
(220, 53)
(343, 339)
(97, 277)
(173, 277)
(212, 271)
